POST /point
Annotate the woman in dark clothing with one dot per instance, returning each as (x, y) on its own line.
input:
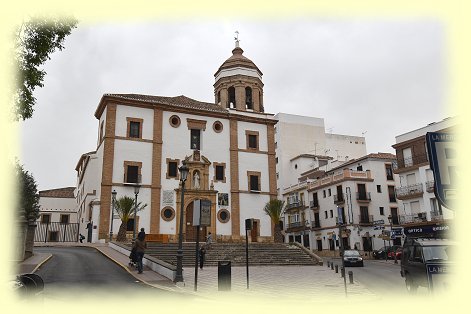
(202, 254)
(140, 246)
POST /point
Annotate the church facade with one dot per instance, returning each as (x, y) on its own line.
(228, 145)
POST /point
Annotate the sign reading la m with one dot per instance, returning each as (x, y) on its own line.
(443, 160)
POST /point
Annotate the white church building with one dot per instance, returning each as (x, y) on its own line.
(228, 145)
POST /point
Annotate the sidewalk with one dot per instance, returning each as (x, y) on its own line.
(307, 283)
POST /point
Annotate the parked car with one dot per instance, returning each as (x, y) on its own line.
(397, 252)
(352, 258)
(382, 253)
(423, 258)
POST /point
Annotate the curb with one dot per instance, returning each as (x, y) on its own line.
(132, 274)
(41, 263)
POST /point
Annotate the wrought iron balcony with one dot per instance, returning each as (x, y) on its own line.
(364, 196)
(410, 191)
(436, 216)
(430, 186)
(315, 224)
(338, 199)
(410, 161)
(365, 219)
(314, 204)
(295, 204)
(293, 226)
(413, 218)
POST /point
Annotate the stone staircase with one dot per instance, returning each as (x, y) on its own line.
(259, 254)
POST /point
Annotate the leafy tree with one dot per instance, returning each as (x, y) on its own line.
(125, 208)
(35, 41)
(274, 209)
(28, 194)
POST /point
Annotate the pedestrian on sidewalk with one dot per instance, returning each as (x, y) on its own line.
(202, 256)
(141, 234)
(140, 246)
(209, 240)
(81, 238)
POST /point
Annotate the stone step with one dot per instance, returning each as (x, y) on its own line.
(259, 254)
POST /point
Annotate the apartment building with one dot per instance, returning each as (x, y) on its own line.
(416, 181)
(361, 191)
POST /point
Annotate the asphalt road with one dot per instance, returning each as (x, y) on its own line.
(81, 272)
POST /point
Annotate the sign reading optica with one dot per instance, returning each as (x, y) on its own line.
(443, 161)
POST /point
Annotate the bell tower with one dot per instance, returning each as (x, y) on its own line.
(238, 82)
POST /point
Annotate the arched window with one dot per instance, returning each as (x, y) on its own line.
(232, 99)
(218, 101)
(248, 98)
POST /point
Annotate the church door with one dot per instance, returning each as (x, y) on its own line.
(190, 234)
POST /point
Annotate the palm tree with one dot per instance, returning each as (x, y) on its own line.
(125, 209)
(274, 209)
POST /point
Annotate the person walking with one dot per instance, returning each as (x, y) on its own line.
(141, 233)
(140, 246)
(202, 256)
(209, 240)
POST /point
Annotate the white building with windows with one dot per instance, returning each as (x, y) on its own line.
(228, 146)
(361, 190)
(58, 217)
(302, 144)
(416, 180)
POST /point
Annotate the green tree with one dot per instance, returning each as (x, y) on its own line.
(28, 200)
(35, 41)
(125, 208)
(274, 209)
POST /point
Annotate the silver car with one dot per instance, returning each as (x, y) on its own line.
(352, 258)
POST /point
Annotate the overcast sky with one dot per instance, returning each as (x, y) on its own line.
(382, 77)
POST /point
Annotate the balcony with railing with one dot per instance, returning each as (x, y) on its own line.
(346, 174)
(295, 204)
(436, 216)
(314, 204)
(430, 186)
(408, 162)
(295, 226)
(365, 219)
(338, 199)
(410, 191)
(315, 224)
(363, 196)
(412, 218)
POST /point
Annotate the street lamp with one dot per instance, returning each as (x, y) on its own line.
(136, 191)
(390, 218)
(113, 201)
(183, 175)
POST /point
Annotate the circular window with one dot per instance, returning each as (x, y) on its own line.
(217, 127)
(174, 121)
(167, 213)
(224, 215)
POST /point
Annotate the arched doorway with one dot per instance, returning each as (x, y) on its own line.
(190, 234)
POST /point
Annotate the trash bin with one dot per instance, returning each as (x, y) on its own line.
(224, 275)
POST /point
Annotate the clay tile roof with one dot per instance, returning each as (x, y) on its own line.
(59, 193)
(178, 101)
(311, 156)
(382, 155)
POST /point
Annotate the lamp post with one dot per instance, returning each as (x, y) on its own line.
(113, 201)
(183, 175)
(390, 218)
(136, 191)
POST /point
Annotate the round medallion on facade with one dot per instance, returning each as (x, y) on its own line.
(224, 215)
(217, 126)
(167, 213)
(175, 121)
